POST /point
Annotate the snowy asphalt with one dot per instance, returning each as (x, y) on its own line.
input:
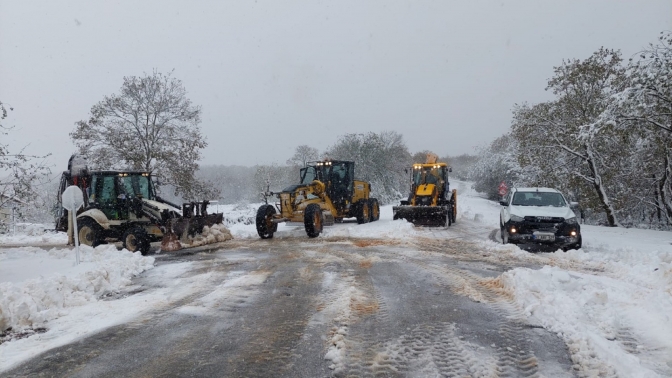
(298, 307)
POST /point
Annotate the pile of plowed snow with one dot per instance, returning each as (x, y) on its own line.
(29, 298)
(215, 234)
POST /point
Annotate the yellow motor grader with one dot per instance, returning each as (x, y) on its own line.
(327, 193)
(122, 205)
(431, 202)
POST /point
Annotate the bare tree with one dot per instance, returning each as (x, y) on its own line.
(151, 125)
(19, 172)
(302, 155)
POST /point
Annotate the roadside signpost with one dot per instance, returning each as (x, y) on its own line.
(73, 199)
(502, 189)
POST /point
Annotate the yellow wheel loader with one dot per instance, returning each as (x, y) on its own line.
(327, 193)
(123, 206)
(431, 202)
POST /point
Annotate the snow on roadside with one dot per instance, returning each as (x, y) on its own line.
(33, 234)
(38, 285)
(611, 301)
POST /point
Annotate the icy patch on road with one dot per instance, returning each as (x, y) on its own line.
(36, 300)
(234, 292)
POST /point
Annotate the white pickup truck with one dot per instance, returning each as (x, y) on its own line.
(541, 216)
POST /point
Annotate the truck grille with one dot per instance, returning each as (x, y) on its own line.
(544, 219)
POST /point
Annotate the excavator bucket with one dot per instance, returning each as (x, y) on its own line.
(422, 215)
(193, 231)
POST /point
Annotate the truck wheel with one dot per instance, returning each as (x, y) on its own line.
(89, 232)
(576, 245)
(374, 210)
(363, 213)
(136, 239)
(312, 219)
(265, 226)
(505, 236)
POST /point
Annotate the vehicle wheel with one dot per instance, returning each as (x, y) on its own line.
(505, 236)
(265, 226)
(363, 213)
(136, 239)
(576, 245)
(89, 232)
(452, 213)
(374, 210)
(312, 219)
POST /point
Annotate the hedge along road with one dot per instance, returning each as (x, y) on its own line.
(299, 307)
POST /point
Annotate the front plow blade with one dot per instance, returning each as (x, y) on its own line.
(194, 231)
(422, 215)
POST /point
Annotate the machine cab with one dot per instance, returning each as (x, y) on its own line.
(337, 175)
(112, 191)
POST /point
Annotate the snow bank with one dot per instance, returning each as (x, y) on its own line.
(33, 234)
(606, 322)
(49, 282)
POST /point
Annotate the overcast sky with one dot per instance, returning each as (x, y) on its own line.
(272, 75)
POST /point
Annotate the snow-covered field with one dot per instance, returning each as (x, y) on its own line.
(611, 302)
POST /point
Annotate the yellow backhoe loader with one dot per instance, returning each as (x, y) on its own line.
(430, 202)
(327, 193)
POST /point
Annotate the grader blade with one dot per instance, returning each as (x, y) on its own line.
(422, 215)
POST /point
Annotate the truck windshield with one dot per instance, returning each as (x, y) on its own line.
(538, 199)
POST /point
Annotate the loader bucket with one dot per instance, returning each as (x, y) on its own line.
(184, 232)
(422, 215)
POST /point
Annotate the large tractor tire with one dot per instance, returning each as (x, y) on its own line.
(363, 212)
(374, 210)
(136, 239)
(89, 232)
(312, 219)
(265, 225)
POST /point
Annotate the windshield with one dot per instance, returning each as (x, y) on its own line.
(137, 186)
(428, 175)
(308, 174)
(538, 199)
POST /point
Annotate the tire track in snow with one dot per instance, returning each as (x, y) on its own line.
(515, 359)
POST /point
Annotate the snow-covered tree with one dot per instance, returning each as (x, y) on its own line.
(380, 158)
(560, 138)
(22, 176)
(645, 108)
(151, 125)
(497, 163)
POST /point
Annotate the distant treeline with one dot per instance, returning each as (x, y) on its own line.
(380, 158)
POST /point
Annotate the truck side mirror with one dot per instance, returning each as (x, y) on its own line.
(574, 205)
(503, 203)
(450, 169)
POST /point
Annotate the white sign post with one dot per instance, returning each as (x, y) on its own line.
(73, 199)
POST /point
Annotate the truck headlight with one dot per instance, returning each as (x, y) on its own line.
(516, 218)
(571, 220)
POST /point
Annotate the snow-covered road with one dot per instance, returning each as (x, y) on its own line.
(380, 298)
